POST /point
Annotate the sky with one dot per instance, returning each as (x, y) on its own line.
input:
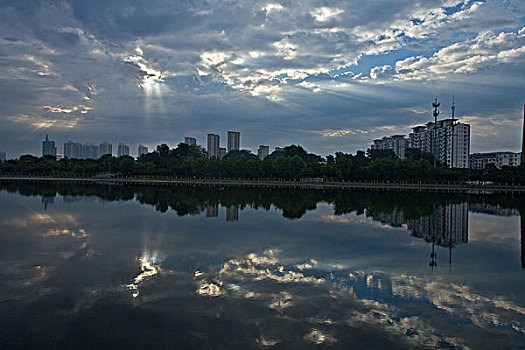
(328, 75)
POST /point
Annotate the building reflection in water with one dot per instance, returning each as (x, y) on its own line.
(447, 226)
(48, 200)
(232, 213)
(212, 210)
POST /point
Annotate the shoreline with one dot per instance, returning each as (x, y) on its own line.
(322, 185)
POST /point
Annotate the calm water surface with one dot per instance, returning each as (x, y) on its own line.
(183, 267)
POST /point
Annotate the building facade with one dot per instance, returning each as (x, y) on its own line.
(142, 150)
(3, 157)
(234, 141)
(90, 150)
(72, 150)
(190, 141)
(222, 152)
(396, 143)
(498, 159)
(448, 140)
(105, 148)
(263, 151)
(123, 150)
(213, 145)
(49, 148)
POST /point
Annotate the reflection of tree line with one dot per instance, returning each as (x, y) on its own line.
(294, 203)
(441, 218)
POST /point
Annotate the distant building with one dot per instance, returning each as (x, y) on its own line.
(213, 145)
(190, 141)
(234, 141)
(278, 149)
(72, 150)
(142, 150)
(49, 148)
(263, 151)
(448, 141)
(222, 152)
(105, 148)
(90, 150)
(123, 150)
(498, 159)
(396, 143)
(3, 157)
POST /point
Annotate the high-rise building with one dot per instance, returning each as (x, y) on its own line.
(49, 148)
(213, 145)
(448, 140)
(263, 151)
(396, 143)
(222, 152)
(123, 150)
(234, 141)
(90, 150)
(498, 159)
(190, 141)
(142, 150)
(72, 150)
(105, 148)
(3, 157)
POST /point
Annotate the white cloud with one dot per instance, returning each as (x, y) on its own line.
(323, 14)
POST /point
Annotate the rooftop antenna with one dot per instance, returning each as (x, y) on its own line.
(453, 107)
(523, 139)
(436, 105)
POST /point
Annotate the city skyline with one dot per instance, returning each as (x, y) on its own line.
(327, 76)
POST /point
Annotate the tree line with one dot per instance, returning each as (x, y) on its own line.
(291, 163)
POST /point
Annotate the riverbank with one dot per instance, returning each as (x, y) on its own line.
(305, 184)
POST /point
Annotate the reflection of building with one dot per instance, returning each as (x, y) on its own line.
(394, 219)
(105, 148)
(49, 148)
(493, 209)
(123, 150)
(213, 145)
(190, 141)
(447, 226)
(522, 225)
(263, 151)
(498, 159)
(48, 200)
(396, 143)
(212, 210)
(142, 150)
(234, 141)
(232, 213)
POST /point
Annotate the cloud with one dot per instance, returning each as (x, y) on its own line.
(160, 70)
(323, 14)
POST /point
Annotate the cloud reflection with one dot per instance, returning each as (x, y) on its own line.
(377, 305)
(149, 267)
